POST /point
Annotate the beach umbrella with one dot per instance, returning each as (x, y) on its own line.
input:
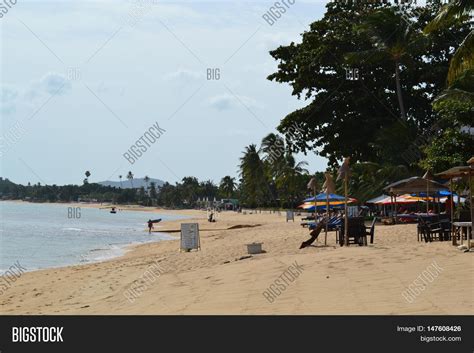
(322, 197)
(328, 188)
(403, 199)
(321, 205)
(439, 193)
(344, 174)
(457, 172)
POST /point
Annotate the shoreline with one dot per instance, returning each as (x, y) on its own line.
(123, 249)
(223, 279)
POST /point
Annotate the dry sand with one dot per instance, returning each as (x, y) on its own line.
(220, 280)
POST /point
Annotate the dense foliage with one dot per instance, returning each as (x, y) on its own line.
(400, 71)
(186, 194)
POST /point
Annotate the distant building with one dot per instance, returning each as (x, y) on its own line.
(229, 204)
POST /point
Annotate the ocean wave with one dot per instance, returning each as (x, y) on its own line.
(101, 254)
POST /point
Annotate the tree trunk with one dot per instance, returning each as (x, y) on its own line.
(399, 91)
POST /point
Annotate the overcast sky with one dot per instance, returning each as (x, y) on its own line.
(82, 81)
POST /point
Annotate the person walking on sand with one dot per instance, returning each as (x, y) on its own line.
(150, 226)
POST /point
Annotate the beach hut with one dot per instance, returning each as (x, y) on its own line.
(375, 200)
(413, 185)
(461, 172)
(378, 198)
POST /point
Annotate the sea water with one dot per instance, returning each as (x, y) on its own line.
(51, 235)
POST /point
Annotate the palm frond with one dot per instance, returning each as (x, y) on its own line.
(448, 13)
(463, 59)
(455, 94)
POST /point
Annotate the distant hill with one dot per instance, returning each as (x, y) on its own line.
(137, 183)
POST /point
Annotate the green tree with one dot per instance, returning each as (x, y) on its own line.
(130, 177)
(355, 117)
(227, 186)
(255, 186)
(394, 40)
(88, 174)
(287, 182)
(452, 144)
(452, 12)
(153, 193)
(147, 180)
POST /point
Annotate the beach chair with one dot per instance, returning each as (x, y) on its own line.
(332, 223)
(336, 222)
(314, 235)
(356, 231)
(308, 218)
(430, 231)
(370, 231)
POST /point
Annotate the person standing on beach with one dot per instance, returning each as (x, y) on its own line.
(448, 205)
(150, 226)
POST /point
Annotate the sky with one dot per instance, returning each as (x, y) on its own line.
(82, 81)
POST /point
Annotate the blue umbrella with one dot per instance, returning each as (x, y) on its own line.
(322, 197)
(441, 193)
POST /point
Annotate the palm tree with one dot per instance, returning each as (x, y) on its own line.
(227, 186)
(130, 177)
(252, 171)
(368, 179)
(394, 40)
(88, 174)
(461, 65)
(287, 180)
(120, 177)
(146, 179)
(153, 194)
(273, 148)
(273, 143)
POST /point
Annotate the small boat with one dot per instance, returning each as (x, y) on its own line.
(156, 220)
(113, 210)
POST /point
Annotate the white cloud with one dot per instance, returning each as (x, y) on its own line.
(227, 101)
(184, 76)
(8, 97)
(50, 84)
(271, 41)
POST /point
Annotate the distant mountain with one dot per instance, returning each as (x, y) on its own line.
(137, 183)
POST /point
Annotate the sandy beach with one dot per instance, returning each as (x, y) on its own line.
(222, 279)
